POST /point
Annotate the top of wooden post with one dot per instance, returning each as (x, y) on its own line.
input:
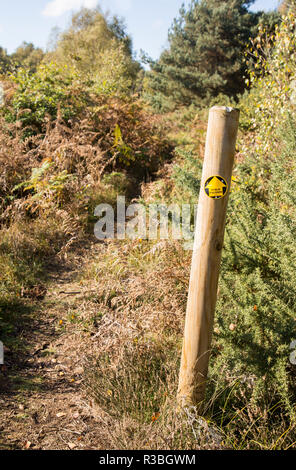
(226, 110)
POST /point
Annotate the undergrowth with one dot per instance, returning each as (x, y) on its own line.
(62, 153)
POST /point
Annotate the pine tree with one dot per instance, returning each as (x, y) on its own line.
(205, 54)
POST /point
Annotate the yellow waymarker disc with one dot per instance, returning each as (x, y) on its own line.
(216, 187)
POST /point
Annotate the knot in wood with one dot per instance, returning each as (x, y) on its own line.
(218, 245)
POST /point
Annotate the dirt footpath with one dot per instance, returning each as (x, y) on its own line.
(42, 401)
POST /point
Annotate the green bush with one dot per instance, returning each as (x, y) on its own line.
(50, 90)
(256, 308)
(255, 314)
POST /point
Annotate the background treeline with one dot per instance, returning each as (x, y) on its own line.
(94, 44)
(205, 57)
(85, 122)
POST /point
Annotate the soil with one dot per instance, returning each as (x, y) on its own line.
(43, 404)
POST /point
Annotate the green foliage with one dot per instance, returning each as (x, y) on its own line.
(44, 93)
(93, 57)
(187, 175)
(46, 188)
(272, 80)
(5, 62)
(205, 54)
(255, 314)
(98, 48)
(88, 141)
(27, 56)
(126, 153)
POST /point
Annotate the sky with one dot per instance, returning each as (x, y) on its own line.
(147, 21)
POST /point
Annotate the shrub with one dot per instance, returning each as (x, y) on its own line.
(42, 94)
(255, 314)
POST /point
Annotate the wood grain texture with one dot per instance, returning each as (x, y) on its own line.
(206, 259)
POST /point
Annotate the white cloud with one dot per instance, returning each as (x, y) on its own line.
(59, 7)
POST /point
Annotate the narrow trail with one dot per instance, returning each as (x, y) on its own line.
(42, 402)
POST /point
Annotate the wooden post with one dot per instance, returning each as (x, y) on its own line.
(208, 244)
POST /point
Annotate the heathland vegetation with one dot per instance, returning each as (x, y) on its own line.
(83, 123)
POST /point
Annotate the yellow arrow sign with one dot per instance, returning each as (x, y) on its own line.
(216, 187)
